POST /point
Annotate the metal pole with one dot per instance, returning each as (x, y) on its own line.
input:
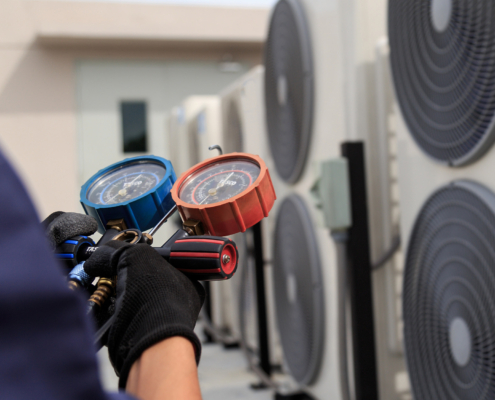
(359, 278)
(261, 300)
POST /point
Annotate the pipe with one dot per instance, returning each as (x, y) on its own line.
(340, 239)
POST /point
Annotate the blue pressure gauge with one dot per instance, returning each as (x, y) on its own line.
(136, 189)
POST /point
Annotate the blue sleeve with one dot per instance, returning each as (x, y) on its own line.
(46, 349)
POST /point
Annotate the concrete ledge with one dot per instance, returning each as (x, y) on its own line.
(68, 23)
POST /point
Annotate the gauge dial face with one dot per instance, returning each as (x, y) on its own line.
(126, 183)
(219, 181)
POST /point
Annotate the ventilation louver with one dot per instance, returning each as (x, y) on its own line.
(449, 296)
(193, 142)
(233, 129)
(298, 290)
(289, 88)
(443, 64)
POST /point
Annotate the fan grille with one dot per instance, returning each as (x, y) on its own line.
(449, 295)
(443, 64)
(289, 88)
(298, 290)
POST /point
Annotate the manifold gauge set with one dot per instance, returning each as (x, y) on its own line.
(220, 196)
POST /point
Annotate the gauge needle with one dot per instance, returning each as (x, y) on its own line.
(108, 201)
(220, 184)
(202, 201)
(135, 179)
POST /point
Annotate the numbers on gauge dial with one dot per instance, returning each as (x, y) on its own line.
(219, 182)
(126, 183)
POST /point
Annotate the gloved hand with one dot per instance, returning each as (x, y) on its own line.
(60, 226)
(154, 301)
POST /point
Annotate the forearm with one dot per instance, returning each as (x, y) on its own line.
(166, 370)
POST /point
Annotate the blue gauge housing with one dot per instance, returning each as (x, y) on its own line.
(142, 212)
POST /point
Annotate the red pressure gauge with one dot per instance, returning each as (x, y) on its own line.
(228, 193)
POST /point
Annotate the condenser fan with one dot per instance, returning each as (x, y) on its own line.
(443, 63)
(289, 88)
(233, 129)
(449, 295)
(298, 290)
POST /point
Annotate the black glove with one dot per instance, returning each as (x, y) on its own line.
(60, 226)
(154, 301)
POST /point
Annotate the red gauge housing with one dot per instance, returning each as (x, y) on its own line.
(237, 213)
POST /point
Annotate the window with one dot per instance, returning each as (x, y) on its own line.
(134, 129)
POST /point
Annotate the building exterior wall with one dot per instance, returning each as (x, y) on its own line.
(41, 43)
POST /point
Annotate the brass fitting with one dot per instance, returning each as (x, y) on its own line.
(130, 236)
(149, 238)
(104, 289)
(193, 227)
(117, 224)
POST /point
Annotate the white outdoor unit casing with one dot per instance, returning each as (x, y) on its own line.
(346, 43)
(173, 124)
(243, 123)
(444, 121)
(324, 70)
(418, 177)
(369, 105)
(192, 126)
(207, 126)
(183, 138)
(205, 129)
(393, 377)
